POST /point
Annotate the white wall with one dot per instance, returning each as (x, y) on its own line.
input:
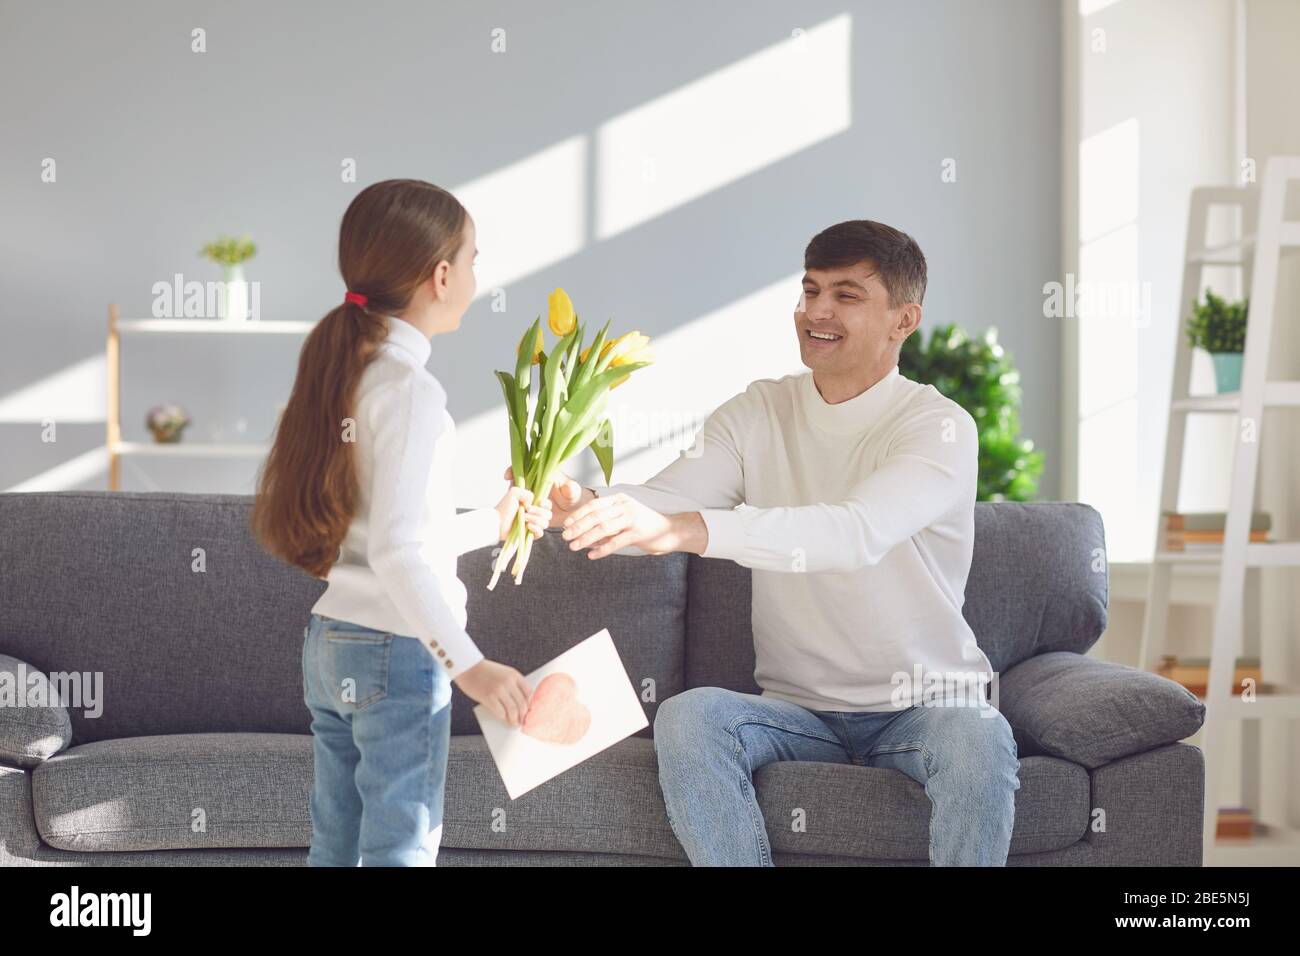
(1271, 127)
(1154, 118)
(666, 163)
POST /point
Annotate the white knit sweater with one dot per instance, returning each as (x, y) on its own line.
(397, 566)
(857, 519)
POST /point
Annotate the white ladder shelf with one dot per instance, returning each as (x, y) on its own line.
(1266, 236)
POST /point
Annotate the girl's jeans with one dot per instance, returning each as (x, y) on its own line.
(381, 724)
(711, 741)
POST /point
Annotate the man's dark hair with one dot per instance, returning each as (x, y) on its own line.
(896, 256)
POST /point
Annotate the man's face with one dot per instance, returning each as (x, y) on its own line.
(844, 320)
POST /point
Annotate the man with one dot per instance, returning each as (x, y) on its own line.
(853, 491)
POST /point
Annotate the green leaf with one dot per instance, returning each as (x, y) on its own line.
(524, 362)
(977, 374)
(510, 392)
(554, 381)
(586, 368)
(575, 346)
(516, 431)
(602, 446)
(581, 409)
(579, 440)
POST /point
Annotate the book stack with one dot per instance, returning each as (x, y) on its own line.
(1194, 673)
(1203, 530)
(1235, 822)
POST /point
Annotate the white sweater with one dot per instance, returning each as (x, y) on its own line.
(858, 521)
(397, 567)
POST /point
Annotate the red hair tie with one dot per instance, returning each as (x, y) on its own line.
(355, 297)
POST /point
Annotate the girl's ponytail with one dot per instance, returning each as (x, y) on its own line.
(392, 237)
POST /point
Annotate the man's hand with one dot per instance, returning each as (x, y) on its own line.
(609, 524)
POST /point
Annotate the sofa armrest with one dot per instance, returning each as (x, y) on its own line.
(1091, 712)
(34, 724)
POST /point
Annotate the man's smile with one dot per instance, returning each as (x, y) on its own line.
(822, 339)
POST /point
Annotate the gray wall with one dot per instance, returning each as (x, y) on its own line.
(158, 149)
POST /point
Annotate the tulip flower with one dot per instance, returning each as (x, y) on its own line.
(629, 348)
(567, 413)
(538, 344)
(560, 315)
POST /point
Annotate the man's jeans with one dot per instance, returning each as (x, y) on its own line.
(381, 724)
(710, 742)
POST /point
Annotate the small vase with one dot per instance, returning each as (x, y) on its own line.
(1227, 371)
(236, 305)
(167, 436)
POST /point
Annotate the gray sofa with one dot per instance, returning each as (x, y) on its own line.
(196, 749)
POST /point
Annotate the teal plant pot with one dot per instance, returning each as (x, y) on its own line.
(1227, 371)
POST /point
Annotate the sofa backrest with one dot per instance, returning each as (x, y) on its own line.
(1038, 583)
(565, 598)
(112, 583)
(109, 583)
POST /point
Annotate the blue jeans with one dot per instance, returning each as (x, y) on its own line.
(381, 726)
(710, 742)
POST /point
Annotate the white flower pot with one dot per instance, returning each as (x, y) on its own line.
(236, 305)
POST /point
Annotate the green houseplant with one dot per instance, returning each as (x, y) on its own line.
(1219, 327)
(977, 374)
(231, 254)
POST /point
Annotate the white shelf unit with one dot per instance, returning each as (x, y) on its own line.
(119, 327)
(1266, 237)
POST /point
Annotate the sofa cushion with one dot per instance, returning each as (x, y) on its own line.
(1038, 579)
(1038, 582)
(211, 791)
(610, 803)
(882, 814)
(565, 598)
(182, 791)
(613, 804)
(34, 724)
(1091, 711)
(254, 791)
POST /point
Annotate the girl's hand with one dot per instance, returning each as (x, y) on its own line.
(498, 687)
(566, 496)
(536, 517)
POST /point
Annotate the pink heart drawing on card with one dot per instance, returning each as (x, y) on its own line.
(555, 715)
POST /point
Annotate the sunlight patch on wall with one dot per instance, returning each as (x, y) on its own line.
(1108, 180)
(90, 465)
(74, 394)
(1088, 7)
(724, 126)
(530, 214)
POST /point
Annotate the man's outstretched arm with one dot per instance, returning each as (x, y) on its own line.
(708, 475)
(931, 469)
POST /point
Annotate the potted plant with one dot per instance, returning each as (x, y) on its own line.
(1219, 327)
(978, 375)
(166, 422)
(231, 254)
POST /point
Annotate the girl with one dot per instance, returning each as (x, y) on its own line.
(357, 490)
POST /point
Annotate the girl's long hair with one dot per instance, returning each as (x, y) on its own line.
(393, 235)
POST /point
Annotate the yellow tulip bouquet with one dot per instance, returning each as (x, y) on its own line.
(567, 414)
